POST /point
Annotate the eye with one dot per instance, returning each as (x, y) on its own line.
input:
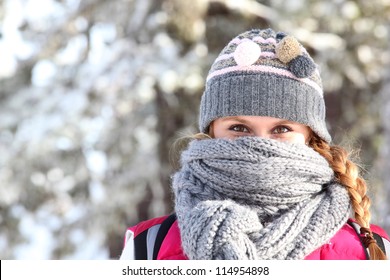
(281, 129)
(239, 128)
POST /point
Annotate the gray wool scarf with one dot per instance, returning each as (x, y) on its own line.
(254, 198)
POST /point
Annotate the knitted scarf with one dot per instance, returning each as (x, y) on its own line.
(254, 198)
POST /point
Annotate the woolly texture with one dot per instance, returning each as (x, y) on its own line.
(254, 198)
(263, 73)
(288, 49)
(301, 66)
(247, 53)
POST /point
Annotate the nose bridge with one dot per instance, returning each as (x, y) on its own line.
(263, 133)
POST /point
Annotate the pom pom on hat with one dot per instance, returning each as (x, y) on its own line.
(288, 49)
(289, 52)
(247, 53)
(302, 66)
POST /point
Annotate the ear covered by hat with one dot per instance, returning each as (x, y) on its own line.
(264, 73)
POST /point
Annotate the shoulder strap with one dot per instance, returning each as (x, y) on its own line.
(164, 228)
(147, 244)
(140, 246)
(382, 242)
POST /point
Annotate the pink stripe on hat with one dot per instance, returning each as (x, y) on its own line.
(230, 55)
(257, 39)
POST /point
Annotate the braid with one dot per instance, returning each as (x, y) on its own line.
(347, 174)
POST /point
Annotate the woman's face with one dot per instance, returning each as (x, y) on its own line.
(266, 127)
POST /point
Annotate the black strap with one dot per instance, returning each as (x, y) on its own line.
(140, 246)
(380, 242)
(377, 237)
(356, 227)
(162, 232)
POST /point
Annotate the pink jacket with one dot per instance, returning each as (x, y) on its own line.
(345, 245)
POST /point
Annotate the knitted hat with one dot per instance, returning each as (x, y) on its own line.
(263, 73)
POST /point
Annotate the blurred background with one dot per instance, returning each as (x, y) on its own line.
(94, 93)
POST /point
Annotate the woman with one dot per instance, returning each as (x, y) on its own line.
(262, 179)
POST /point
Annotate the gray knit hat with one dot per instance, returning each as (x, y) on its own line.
(263, 73)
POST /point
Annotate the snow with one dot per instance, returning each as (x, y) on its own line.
(39, 240)
(44, 73)
(73, 52)
(96, 162)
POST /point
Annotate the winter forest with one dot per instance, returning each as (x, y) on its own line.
(95, 93)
